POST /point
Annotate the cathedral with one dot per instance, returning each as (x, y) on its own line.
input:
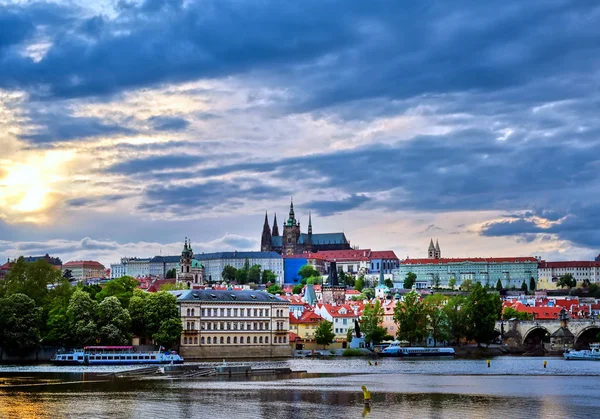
(434, 252)
(293, 241)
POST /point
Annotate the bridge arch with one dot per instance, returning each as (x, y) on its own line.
(535, 337)
(586, 336)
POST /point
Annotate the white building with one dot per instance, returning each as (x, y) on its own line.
(134, 267)
(342, 317)
(550, 272)
(215, 262)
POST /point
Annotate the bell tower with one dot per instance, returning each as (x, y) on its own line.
(184, 273)
(291, 233)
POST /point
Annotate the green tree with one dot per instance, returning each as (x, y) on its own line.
(268, 276)
(438, 319)
(114, 322)
(122, 288)
(452, 283)
(586, 283)
(567, 280)
(466, 285)
(349, 281)
(149, 310)
(369, 293)
(56, 327)
(324, 333)
(20, 321)
(275, 289)
(389, 283)
(410, 280)
(370, 323)
(524, 286)
(171, 273)
(410, 316)
(81, 316)
(510, 313)
(254, 274)
(137, 312)
(297, 289)
(168, 332)
(483, 309)
(499, 285)
(241, 276)
(315, 280)
(31, 279)
(176, 286)
(229, 273)
(92, 290)
(350, 333)
(342, 277)
(532, 285)
(308, 271)
(457, 317)
(359, 284)
(68, 274)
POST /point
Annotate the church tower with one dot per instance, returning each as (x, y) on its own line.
(291, 233)
(275, 228)
(184, 273)
(438, 252)
(431, 250)
(265, 241)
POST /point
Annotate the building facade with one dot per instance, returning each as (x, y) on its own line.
(215, 262)
(134, 267)
(82, 270)
(160, 265)
(487, 271)
(293, 241)
(233, 324)
(550, 272)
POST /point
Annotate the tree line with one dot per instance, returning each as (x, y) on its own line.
(248, 274)
(40, 307)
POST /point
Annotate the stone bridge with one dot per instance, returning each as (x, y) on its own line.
(521, 332)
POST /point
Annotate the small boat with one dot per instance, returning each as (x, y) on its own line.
(396, 349)
(114, 355)
(592, 354)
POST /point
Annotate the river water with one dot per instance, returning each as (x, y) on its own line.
(511, 387)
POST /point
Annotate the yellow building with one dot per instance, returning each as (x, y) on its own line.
(306, 325)
(233, 324)
(82, 270)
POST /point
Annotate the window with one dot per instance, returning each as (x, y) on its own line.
(196, 340)
(235, 339)
(266, 339)
(185, 341)
(202, 340)
(193, 312)
(228, 312)
(255, 339)
(248, 340)
(188, 312)
(228, 325)
(260, 313)
(241, 326)
(222, 326)
(187, 269)
(222, 312)
(228, 340)
(260, 326)
(255, 312)
(235, 312)
(209, 325)
(215, 340)
(284, 339)
(222, 340)
(203, 312)
(254, 327)
(260, 340)
(241, 339)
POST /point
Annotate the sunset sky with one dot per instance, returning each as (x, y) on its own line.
(126, 126)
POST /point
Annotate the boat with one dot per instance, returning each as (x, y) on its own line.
(114, 355)
(592, 354)
(396, 349)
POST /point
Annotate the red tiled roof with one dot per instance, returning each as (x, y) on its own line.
(306, 255)
(460, 260)
(294, 337)
(346, 255)
(85, 263)
(383, 254)
(306, 317)
(568, 264)
(335, 310)
(5, 267)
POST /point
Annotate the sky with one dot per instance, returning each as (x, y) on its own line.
(127, 125)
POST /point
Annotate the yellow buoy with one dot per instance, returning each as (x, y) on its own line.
(366, 394)
(545, 364)
(489, 363)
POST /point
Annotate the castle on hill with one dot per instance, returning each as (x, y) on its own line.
(293, 241)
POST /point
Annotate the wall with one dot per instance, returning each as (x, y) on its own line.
(235, 351)
(43, 354)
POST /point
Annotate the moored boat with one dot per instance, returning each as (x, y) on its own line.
(114, 355)
(397, 350)
(592, 354)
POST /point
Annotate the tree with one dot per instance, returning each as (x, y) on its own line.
(349, 281)
(315, 280)
(308, 271)
(410, 280)
(229, 273)
(350, 333)
(370, 323)
(171, 273)
(172, 287)
(275, 289)
(567, 280)
(268, 276)
(168, 332)
(31, 279)
(254, 274)
(297, 289)
(499, 285)
(241, 276)
(369, 293)
(457, 317)
(389, 283)
(56, 328)
(436, 281)
(150, 310)
(510, 313)
(92, 290)
(586, 283)
(532, 285)
(437, 317)
(20, 321)
(411, 318)
(359, 284)
(524, 286)
(68, 274)
(483, 310)
(114, 322)
(467, 285)
(324, 333)
(452, 282)
(122, 288)
(81, 316)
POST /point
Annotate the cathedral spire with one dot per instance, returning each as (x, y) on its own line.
(309, 224)
(265, 241)
(292, 217)
(275, 228)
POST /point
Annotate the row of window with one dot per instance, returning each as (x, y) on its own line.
(235, 312)
(191, 325)
(229, 340)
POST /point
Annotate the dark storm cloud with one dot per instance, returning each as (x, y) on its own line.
(151, 163)
(327, 208)
(402, 50)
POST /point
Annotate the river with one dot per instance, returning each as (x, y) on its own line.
(511, 387)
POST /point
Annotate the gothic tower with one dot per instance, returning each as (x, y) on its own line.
(438, 252)
(431, 250)
(265, 241)
(291, 233)
(184, 273)
(275, 228)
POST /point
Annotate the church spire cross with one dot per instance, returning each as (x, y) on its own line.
(309, 223)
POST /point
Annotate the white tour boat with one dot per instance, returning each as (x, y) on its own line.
(114, 355)
(592, 354)
(396, 349)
